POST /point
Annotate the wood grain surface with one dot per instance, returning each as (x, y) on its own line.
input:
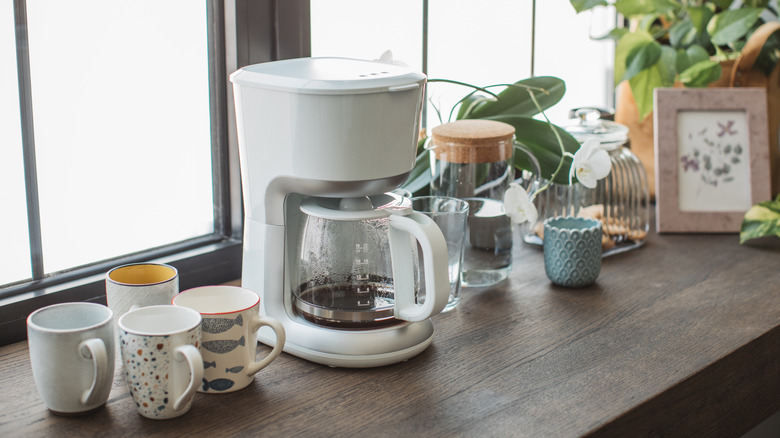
(678, 338)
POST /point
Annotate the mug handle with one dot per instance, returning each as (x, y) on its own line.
(95, 349)
(277, 327)
(434, 251)
(191, 354)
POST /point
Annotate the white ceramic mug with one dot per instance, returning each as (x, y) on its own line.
(160, 358)
(139, 285)
(72, 355)
(231, 320)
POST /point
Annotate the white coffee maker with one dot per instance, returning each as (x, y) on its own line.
(321, 142)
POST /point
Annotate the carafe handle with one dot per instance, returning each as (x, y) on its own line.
(434, 251)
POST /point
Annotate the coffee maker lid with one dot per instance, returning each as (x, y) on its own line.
(329, 76)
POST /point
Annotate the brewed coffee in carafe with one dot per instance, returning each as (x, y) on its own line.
(346, 251)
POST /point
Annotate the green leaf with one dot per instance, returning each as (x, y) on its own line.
(697, 53)
(761, 220)
(626, 45)
(419, 179)
(683, 61)
(630, 8)
(642, 56)
(701, 74)
(681, 34)
(764, 211)
(690, 56)
(469, 104)
(584, 5)
(661, 74)
(729, 26)
(537, 136)
(650, 24)
(515, 100)
(700, 16)
(614, 34)
(723, 4)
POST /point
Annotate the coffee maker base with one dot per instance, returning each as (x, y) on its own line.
(355, 348)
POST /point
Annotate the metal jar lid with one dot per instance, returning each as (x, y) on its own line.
(472, 141)
(587, 125)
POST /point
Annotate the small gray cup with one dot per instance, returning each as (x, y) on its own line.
(572, 250)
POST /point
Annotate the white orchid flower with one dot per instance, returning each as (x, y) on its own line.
(518, 205)
(591, 163)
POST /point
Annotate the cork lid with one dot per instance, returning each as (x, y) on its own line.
(472, 141)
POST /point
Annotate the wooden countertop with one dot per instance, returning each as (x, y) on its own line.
(678, 338)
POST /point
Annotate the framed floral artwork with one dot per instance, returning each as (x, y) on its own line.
(712, 157)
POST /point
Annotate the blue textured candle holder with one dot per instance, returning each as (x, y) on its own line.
(572, 250)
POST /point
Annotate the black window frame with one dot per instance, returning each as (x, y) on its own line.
(241, 32)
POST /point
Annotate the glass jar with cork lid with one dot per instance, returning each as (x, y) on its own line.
(473, 160)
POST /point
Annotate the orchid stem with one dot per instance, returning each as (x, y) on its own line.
(450, 81)
(560, 145)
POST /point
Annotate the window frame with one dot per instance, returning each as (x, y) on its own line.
(241, 32)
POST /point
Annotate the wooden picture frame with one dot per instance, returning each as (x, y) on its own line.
(712, 157)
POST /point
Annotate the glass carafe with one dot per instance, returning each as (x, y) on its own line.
(358, 263)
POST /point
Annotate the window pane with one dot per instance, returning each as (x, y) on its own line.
(480, 43)
(584, 64)
(365, 29)
(15, 249)
(121, 110)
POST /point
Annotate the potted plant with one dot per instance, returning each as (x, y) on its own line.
(682, 41)
(693, 43)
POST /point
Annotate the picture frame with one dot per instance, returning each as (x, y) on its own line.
(712, 157)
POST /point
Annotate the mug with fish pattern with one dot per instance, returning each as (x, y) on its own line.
(231, 319)
(163, 366)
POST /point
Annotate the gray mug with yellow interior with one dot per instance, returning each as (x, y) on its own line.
(140, 285)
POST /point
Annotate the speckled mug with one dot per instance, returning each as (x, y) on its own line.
(572, 250)
(160, 357)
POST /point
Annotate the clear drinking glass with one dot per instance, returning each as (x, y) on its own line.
(450, 215)
(488, 248)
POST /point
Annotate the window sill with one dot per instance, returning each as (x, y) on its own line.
(213, 263)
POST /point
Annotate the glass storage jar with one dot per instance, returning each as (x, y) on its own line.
(472, 160)
(620, 201)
